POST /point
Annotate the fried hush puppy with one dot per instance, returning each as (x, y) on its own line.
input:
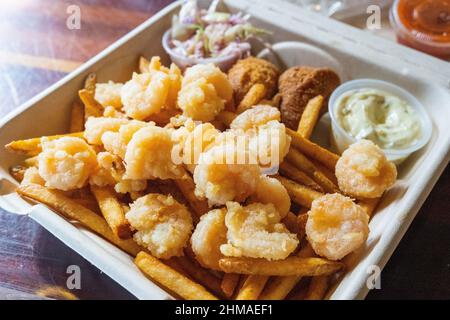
(298, 85)
(247, 72)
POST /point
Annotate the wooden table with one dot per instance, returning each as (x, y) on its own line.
(37, 49)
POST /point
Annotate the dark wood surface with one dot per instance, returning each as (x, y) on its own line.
(36, 50)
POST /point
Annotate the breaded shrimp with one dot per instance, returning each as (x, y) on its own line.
(116, 142)
(255, 117)
(163, 225)
(200, 101)
(336, 226)
(66, 163)
(212, 75)
(363, 171)
(270, 190)
(224, 173)
(271, 143)
(145, 94)
(108, 94)
(255, 231)
(96, 127)
(209, 234)
(149, 155)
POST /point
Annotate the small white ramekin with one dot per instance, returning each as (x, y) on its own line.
(342, 140)
(224, 63)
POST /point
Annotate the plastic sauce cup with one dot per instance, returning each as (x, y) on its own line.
(341, 139)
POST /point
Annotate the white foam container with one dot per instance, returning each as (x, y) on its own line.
(361, 54)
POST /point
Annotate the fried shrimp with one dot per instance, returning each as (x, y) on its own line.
(163, 225)
(149, 155)
(336, 226)
(204, 92)
(255, 231)
(66, 163)
(116, 142)
(96, 127)
(270, 190)
(255, 117)
(209, 234)
(108, 94)
(224, 173)
(212, 75)
(363, 171)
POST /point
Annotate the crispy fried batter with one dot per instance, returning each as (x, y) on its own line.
(247, 72)
(298, 85)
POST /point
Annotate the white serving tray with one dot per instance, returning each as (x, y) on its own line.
(362, 55)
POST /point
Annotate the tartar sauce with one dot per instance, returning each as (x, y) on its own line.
(372, 114)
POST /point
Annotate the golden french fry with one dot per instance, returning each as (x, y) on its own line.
(91, 107)
(187, 187)
(72, 210)
(226, 117)
(302, 163)
(290, 171)
(327, 172)
(317, 288)
(290, 221)
(279, 287)
(310, 116)
(369, 205)
(312, 150)
(301, 225)
(77, 117)
(17, 172)
(90, 83)
(252, 287)
(292, 266)
(112, 211)
(229, 283)
(256, 93)
(32, 147)
(171, 279)
(201, 275)
(143, 64)
(301, 195)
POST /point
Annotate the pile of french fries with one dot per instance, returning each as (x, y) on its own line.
(307, 173)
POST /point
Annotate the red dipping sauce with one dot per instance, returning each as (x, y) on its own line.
(423, 25)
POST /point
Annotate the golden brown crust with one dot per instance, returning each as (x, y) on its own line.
(298, 85)
(247, 72)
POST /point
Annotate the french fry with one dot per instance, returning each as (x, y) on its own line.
(32, 147)
(369, 205)
(91, 107)
(327, 172)
(293, 173)
(226, 117)
(292, 266)
(309, 117)
(90, 82)
(312, 150)
(77, 117)
(143, 64)
(301, 195)
(31, 162)
(280, 287)
(72, 210)
(256, 93)
(112, 211)
(290, 221)
(301, 223)
(171, 279)
(17, 172)
(317, 288)
(252, 287)
(302, 163)
(187, 187)
(229, 283)
(201, 275)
